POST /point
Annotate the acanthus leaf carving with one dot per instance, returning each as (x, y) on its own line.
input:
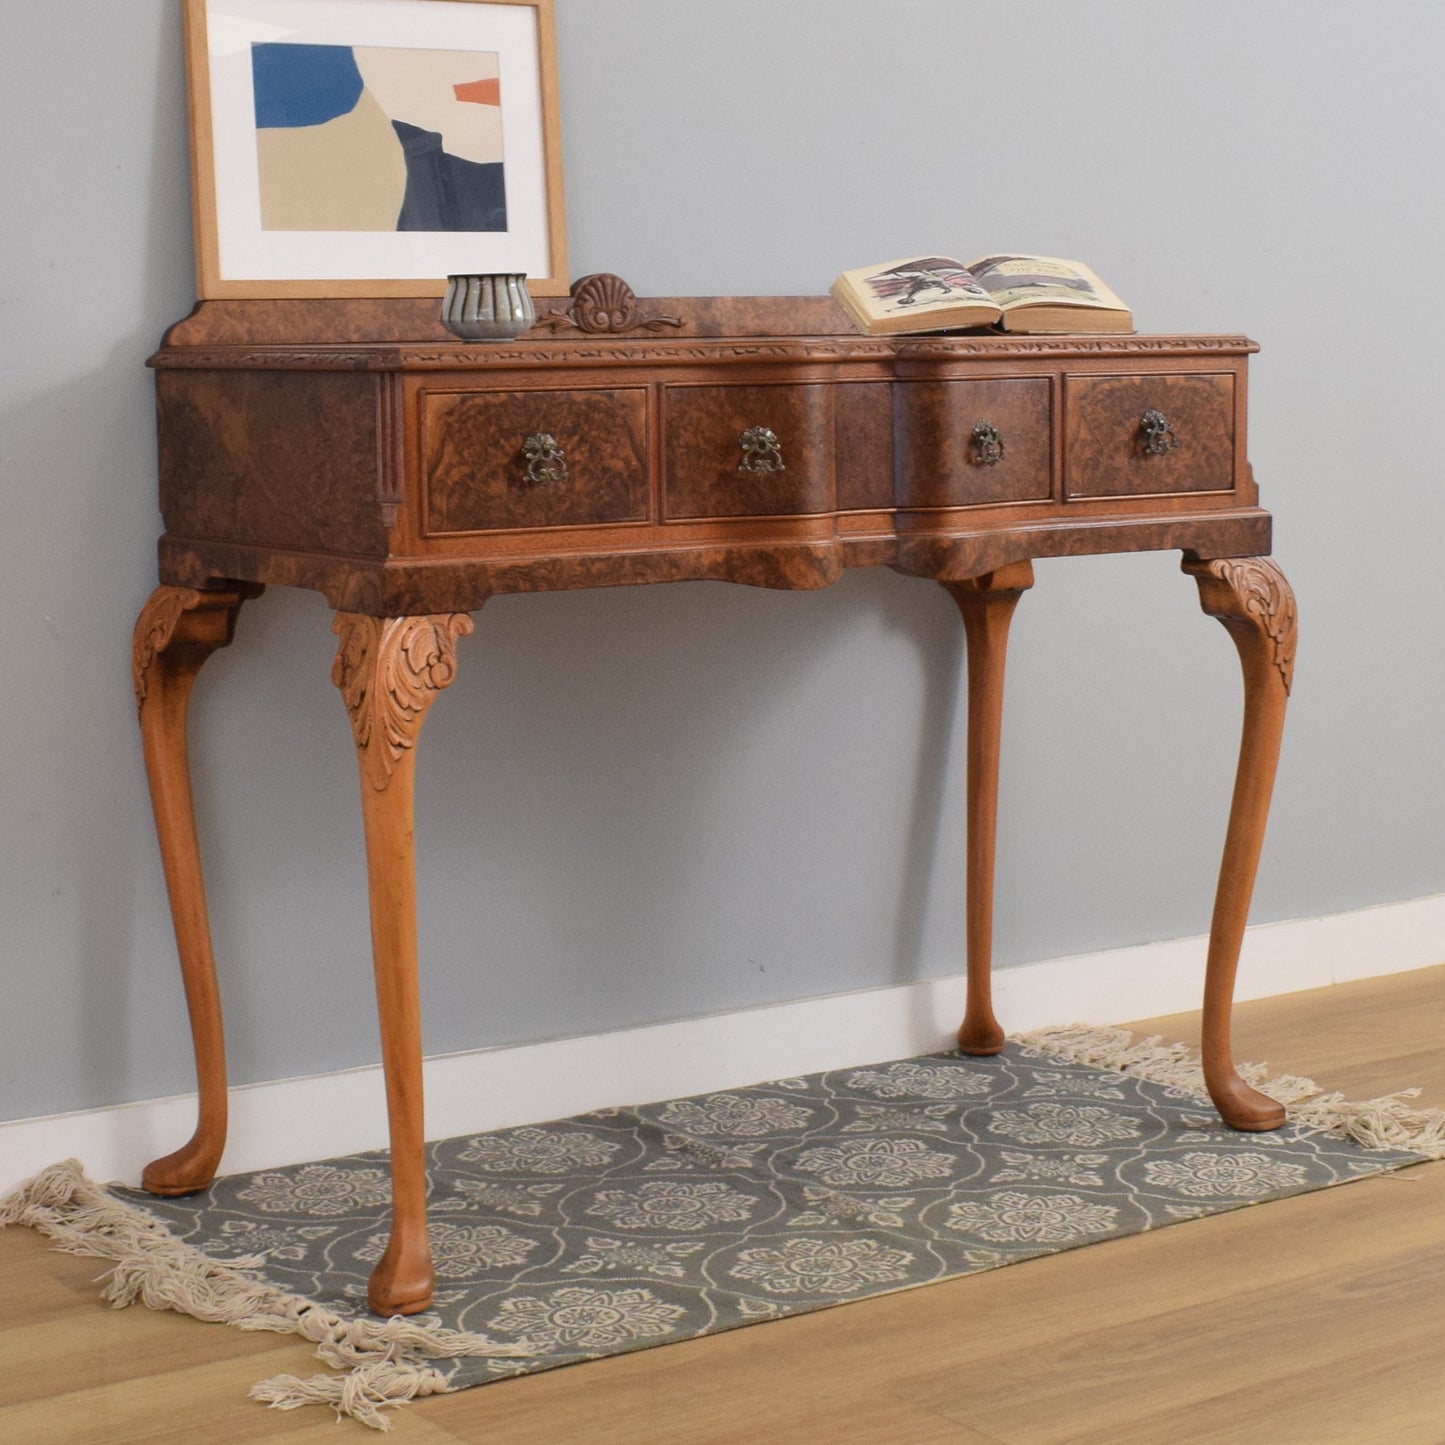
(1256, 591)
(154, 629)
(389, 670)
(198, 618)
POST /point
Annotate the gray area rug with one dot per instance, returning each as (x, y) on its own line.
(622, 1229)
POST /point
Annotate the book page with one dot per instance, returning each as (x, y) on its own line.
(1025, 280)
(918, 284)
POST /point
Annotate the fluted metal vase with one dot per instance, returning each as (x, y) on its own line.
(487, 308)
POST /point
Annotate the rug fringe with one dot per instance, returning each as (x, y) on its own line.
(1389, 1122)
(362, 1392)
(381, 1362)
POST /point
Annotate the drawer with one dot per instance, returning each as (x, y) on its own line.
(489, 465)
(974, 443)
(747, 451)
(1132, 436)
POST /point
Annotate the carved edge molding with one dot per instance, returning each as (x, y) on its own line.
(389, 670)
(527, 353)
(603, 304)
(1256, 591)
(383, 356)
(655, 351)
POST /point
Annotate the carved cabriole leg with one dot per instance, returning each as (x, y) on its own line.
(987, 604)
(177, 630)
(1250, 596)
(389, 671)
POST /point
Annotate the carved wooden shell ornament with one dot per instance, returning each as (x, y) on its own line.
(604, 305)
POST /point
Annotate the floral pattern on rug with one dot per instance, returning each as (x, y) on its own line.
(626, 1228)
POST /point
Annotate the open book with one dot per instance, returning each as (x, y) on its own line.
(1016, 293)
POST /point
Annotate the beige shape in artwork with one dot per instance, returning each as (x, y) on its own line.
(348, 174)
(419, 88)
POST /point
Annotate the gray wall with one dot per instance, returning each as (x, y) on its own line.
(643, 804)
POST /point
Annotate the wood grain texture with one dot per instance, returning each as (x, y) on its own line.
(352, 447)
(306, 321)
(958, 557)
(1308, 1321)
(938, 461)
(1251, 597)
(725, 338)
(702, 455)
(389, 672)
(863, 445)
(397, 589)
(284, 460)
(298, 321)
(1103, 451)
(475, 473)
(390, 589)
(987, 605)
(177, 630)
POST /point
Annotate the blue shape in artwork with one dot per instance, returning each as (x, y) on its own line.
(303, 84)
(445, 192)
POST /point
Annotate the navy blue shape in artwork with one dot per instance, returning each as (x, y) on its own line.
(445, 192)
(303, 84)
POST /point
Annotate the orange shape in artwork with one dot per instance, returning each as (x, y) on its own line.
(480, 92)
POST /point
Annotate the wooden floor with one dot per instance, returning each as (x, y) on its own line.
(1312, 1321)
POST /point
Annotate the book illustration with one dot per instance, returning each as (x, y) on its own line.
(1034, 278)
(905, 284)
(1010, 292)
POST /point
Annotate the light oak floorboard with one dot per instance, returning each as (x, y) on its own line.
(1311, 1321)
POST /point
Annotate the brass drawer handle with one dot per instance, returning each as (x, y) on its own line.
(987, 445)
(544, 459)
(762, 451)
(1156, 437)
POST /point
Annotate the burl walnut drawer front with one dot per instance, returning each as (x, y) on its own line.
(510, 459)
(1132, 436)
(973, 443)
(747, 451)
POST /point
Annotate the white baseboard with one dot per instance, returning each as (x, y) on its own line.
(293, 1120)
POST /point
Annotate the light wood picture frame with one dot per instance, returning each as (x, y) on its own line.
(373, 147)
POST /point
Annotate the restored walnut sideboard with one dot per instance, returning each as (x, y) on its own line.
(355, 448)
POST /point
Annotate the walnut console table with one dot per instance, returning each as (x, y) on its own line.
(355, 448)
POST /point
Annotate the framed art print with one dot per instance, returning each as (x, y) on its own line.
(373, 147)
